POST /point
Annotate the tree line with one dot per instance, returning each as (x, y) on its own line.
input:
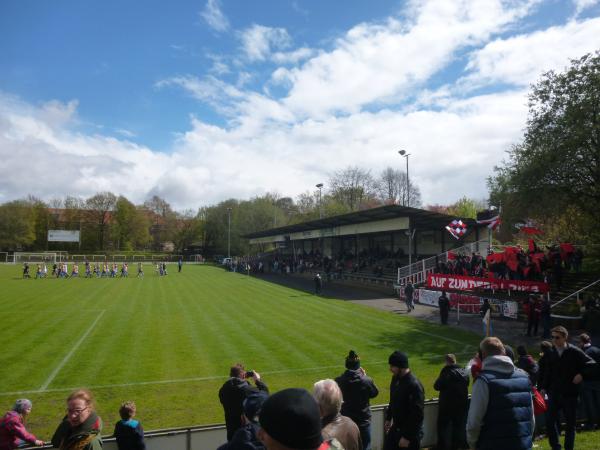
(108, 222)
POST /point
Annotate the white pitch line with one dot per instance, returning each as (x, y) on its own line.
(68, 356)
(190, 380)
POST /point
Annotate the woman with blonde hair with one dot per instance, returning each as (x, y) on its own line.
(80, 428)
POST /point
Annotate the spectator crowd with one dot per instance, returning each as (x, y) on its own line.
(507, 395)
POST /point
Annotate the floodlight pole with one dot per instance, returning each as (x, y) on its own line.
(320, 186)
(406, 155)
(229, 232)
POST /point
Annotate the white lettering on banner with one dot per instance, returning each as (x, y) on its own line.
(467, 283)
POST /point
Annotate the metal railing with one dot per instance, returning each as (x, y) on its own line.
(418, 271)
(576, 294)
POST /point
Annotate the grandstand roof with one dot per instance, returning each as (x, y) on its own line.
(419, 218)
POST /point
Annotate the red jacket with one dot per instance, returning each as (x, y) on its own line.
(13, 432)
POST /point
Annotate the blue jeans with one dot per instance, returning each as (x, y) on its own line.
(365, 436)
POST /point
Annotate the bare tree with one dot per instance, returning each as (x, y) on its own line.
(352, 187)
(391, 188)
(99, 209)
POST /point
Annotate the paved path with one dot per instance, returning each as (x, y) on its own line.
(507, 330)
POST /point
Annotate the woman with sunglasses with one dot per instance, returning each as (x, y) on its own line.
(80, 428)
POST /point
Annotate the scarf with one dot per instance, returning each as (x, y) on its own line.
(80, 437)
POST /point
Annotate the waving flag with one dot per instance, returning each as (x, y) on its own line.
(457, 228)
(489, 218)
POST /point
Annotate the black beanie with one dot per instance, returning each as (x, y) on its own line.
(292, 418)
(398, 359)
(352, 361)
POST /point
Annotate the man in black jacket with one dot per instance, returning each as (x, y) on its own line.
(444, 305)
(357, 389)
(590, 391)
(453, 384)
(404, 415)
(567, 366)
(233, 393)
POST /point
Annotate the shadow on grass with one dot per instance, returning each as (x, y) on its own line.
(337, 291)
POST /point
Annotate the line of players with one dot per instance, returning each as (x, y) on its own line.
(106, 270)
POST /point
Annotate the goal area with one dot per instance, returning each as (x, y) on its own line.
(35, 258)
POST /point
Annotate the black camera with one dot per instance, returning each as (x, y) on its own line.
(250, 374)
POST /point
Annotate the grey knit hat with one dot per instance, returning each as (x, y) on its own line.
(21, 405)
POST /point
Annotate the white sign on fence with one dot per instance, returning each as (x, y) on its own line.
(63, 235)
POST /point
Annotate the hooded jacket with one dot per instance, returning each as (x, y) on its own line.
(453, 384)
(232, 395)
(12, 430)
(357, 389)
(501, 410)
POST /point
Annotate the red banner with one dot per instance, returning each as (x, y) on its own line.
(441, 281)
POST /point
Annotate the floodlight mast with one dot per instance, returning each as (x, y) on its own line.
(229, 232)
(405, 154)
(320, 187)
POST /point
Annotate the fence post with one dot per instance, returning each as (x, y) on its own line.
(188, 439)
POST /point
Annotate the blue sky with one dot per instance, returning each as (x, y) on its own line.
(205, 100)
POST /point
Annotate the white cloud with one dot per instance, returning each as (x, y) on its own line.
(293, 57)
(214, 17)
(383, 62)
(582, 5)
(520, 60)
(374, 75)
(259, 41)
(125, 133)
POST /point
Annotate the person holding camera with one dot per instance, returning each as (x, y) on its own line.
(233, 393)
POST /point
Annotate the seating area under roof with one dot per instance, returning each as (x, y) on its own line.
(419, 218)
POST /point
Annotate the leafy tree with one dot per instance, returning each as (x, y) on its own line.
(557, 165)
(189, 230)
(41, 218)
(466, 208)
(131, 226)
(17, 225)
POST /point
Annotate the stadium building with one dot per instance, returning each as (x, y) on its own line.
(395, 232)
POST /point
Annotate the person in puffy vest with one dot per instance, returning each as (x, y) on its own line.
(501, 410)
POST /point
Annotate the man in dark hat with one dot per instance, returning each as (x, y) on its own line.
(290, 420)
(357, 389)
(246, 438)
(404, 414)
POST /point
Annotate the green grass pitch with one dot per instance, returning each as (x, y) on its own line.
(168, 342)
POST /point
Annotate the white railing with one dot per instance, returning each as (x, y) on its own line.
(418, 271)
(576, 294)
